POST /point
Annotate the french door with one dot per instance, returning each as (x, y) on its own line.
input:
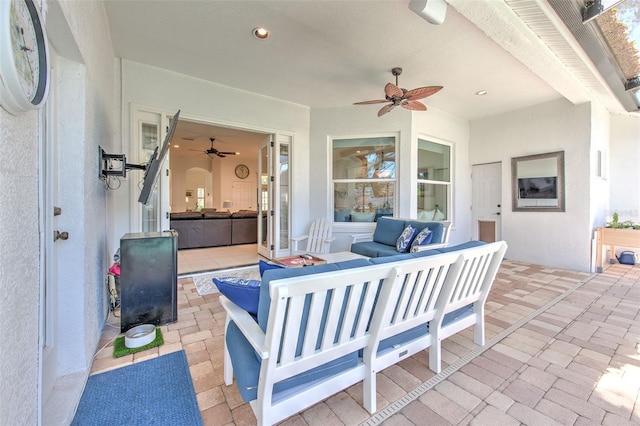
(149, 129)
(274, 195)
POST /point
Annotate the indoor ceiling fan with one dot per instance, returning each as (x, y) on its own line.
(407, 99)
(211, 152)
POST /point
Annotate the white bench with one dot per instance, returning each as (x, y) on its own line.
(327, 331)
(295, 341)
(436, 297)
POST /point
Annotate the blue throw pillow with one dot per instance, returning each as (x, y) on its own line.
(423, 238)
(241, 291)
(404, 240)
(265, 266)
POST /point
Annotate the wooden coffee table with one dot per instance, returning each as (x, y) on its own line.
(299, 261)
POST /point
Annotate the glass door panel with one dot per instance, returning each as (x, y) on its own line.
(264, 203)
(283, 185)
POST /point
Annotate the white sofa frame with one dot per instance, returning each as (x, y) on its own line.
(412, 293)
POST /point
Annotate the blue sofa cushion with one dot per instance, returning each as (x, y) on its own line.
(366, 248)
(264, 304)
(388, 230)
(404, 337)
(241, 291)
(354, 263)
(462, 246)
(389, 259)
(457, 314)
(405, 239)
(423, 238)
(264, 266)
(246, 367)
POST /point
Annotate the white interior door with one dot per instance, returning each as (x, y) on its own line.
(487, 202)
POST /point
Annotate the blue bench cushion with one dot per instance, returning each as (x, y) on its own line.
(246, 367)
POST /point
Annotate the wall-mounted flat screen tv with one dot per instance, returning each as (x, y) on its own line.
(538, 187)
(155, 162)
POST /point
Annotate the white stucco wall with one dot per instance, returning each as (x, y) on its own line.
(19, 271)
(554, 239)
(204, 101)
(624, 167)
(84, 118)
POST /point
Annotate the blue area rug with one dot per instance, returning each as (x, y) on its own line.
(154, 392)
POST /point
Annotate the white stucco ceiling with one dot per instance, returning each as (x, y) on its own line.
(326, 53)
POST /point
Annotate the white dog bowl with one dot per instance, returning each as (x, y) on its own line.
(140, 335)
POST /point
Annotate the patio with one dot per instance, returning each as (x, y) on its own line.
(562, 348)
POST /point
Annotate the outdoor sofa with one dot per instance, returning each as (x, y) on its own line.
(383, 241)
(320, 329)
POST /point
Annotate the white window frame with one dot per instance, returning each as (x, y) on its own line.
(448, 185)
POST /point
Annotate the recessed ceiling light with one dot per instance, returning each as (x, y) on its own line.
(261, 33)
(482, 92)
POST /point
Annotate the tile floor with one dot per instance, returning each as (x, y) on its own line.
(207, 259)
(562, 348)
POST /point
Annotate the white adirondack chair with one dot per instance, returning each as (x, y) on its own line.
(318, 239)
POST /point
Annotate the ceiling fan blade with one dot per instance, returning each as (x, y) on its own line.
(219, 154)
(413, 105)
(377, 101)
(422, 92)
(227, 153)
(393, 91)
(385, 109)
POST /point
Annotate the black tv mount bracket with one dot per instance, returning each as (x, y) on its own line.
(115, 165)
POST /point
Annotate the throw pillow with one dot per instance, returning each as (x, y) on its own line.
(404, 240)
(264, 266)
(241, 291)
(423, 238)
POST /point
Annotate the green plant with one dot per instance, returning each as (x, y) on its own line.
(616, 224)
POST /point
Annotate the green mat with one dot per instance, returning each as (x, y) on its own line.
(119, 349)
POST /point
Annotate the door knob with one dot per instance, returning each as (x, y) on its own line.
(57, 235)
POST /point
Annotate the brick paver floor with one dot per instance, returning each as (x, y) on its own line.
(562, 348)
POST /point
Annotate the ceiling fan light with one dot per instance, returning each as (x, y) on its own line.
(261, 33)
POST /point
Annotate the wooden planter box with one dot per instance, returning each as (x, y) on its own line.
(613, 237)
